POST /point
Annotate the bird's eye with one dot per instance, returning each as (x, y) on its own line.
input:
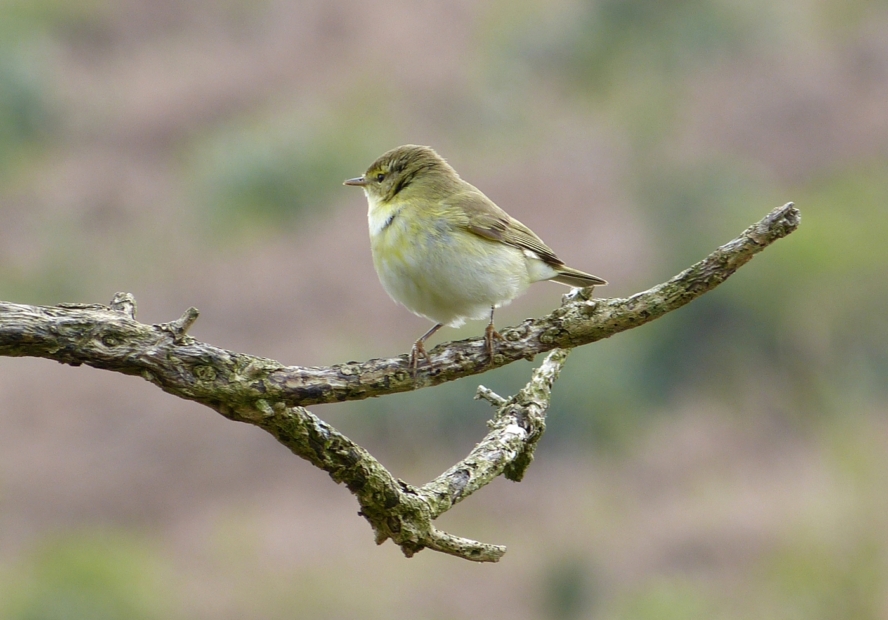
(379, 177)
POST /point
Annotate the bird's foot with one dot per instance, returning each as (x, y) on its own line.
(416, 352)
(490, 334)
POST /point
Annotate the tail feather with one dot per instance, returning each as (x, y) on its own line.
(575, 277)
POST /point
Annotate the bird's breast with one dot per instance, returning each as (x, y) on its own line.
(442, 273)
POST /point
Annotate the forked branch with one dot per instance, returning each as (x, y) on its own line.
(272, 396)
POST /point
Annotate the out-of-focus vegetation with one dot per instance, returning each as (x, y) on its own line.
(726, 461)
(273, 171)
(25, 121)
(101, 575)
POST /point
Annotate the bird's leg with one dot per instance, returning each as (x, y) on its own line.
(490, 334)
(418, 349)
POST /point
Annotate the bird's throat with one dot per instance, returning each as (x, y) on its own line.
(381, 215)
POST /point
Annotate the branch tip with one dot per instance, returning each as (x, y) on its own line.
(791, 216)
(483, 393)
(461, 547)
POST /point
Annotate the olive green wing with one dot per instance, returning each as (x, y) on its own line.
(478, 214)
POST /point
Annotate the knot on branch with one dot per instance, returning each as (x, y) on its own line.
(179, 328)
(125, 303)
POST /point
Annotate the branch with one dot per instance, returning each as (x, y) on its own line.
(265, 393)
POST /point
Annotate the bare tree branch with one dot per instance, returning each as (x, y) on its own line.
(263, 392)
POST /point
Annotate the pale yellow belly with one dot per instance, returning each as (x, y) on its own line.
(447, 276)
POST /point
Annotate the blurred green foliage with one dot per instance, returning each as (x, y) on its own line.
(612, 40)
(25, 119)
(831, 562)
(667, 599)
(815, 583)
(38, 14)
(567, 589)
(252, 178)
(266, 172)
(89, 576)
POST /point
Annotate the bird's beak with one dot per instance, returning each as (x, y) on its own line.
(357, 181)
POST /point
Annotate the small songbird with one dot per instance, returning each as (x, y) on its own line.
(445, 250)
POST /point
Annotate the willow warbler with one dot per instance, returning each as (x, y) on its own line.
(445, 250)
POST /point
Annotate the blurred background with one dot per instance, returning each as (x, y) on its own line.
(727, 461)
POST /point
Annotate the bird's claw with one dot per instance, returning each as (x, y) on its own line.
(416, 352)
(490, 334)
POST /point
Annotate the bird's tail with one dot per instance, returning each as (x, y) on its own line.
(575, 277)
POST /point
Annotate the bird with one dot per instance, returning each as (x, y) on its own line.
(444, 250)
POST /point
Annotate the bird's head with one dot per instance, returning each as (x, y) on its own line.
(406, 171)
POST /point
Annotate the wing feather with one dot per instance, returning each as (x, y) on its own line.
(479, 215)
